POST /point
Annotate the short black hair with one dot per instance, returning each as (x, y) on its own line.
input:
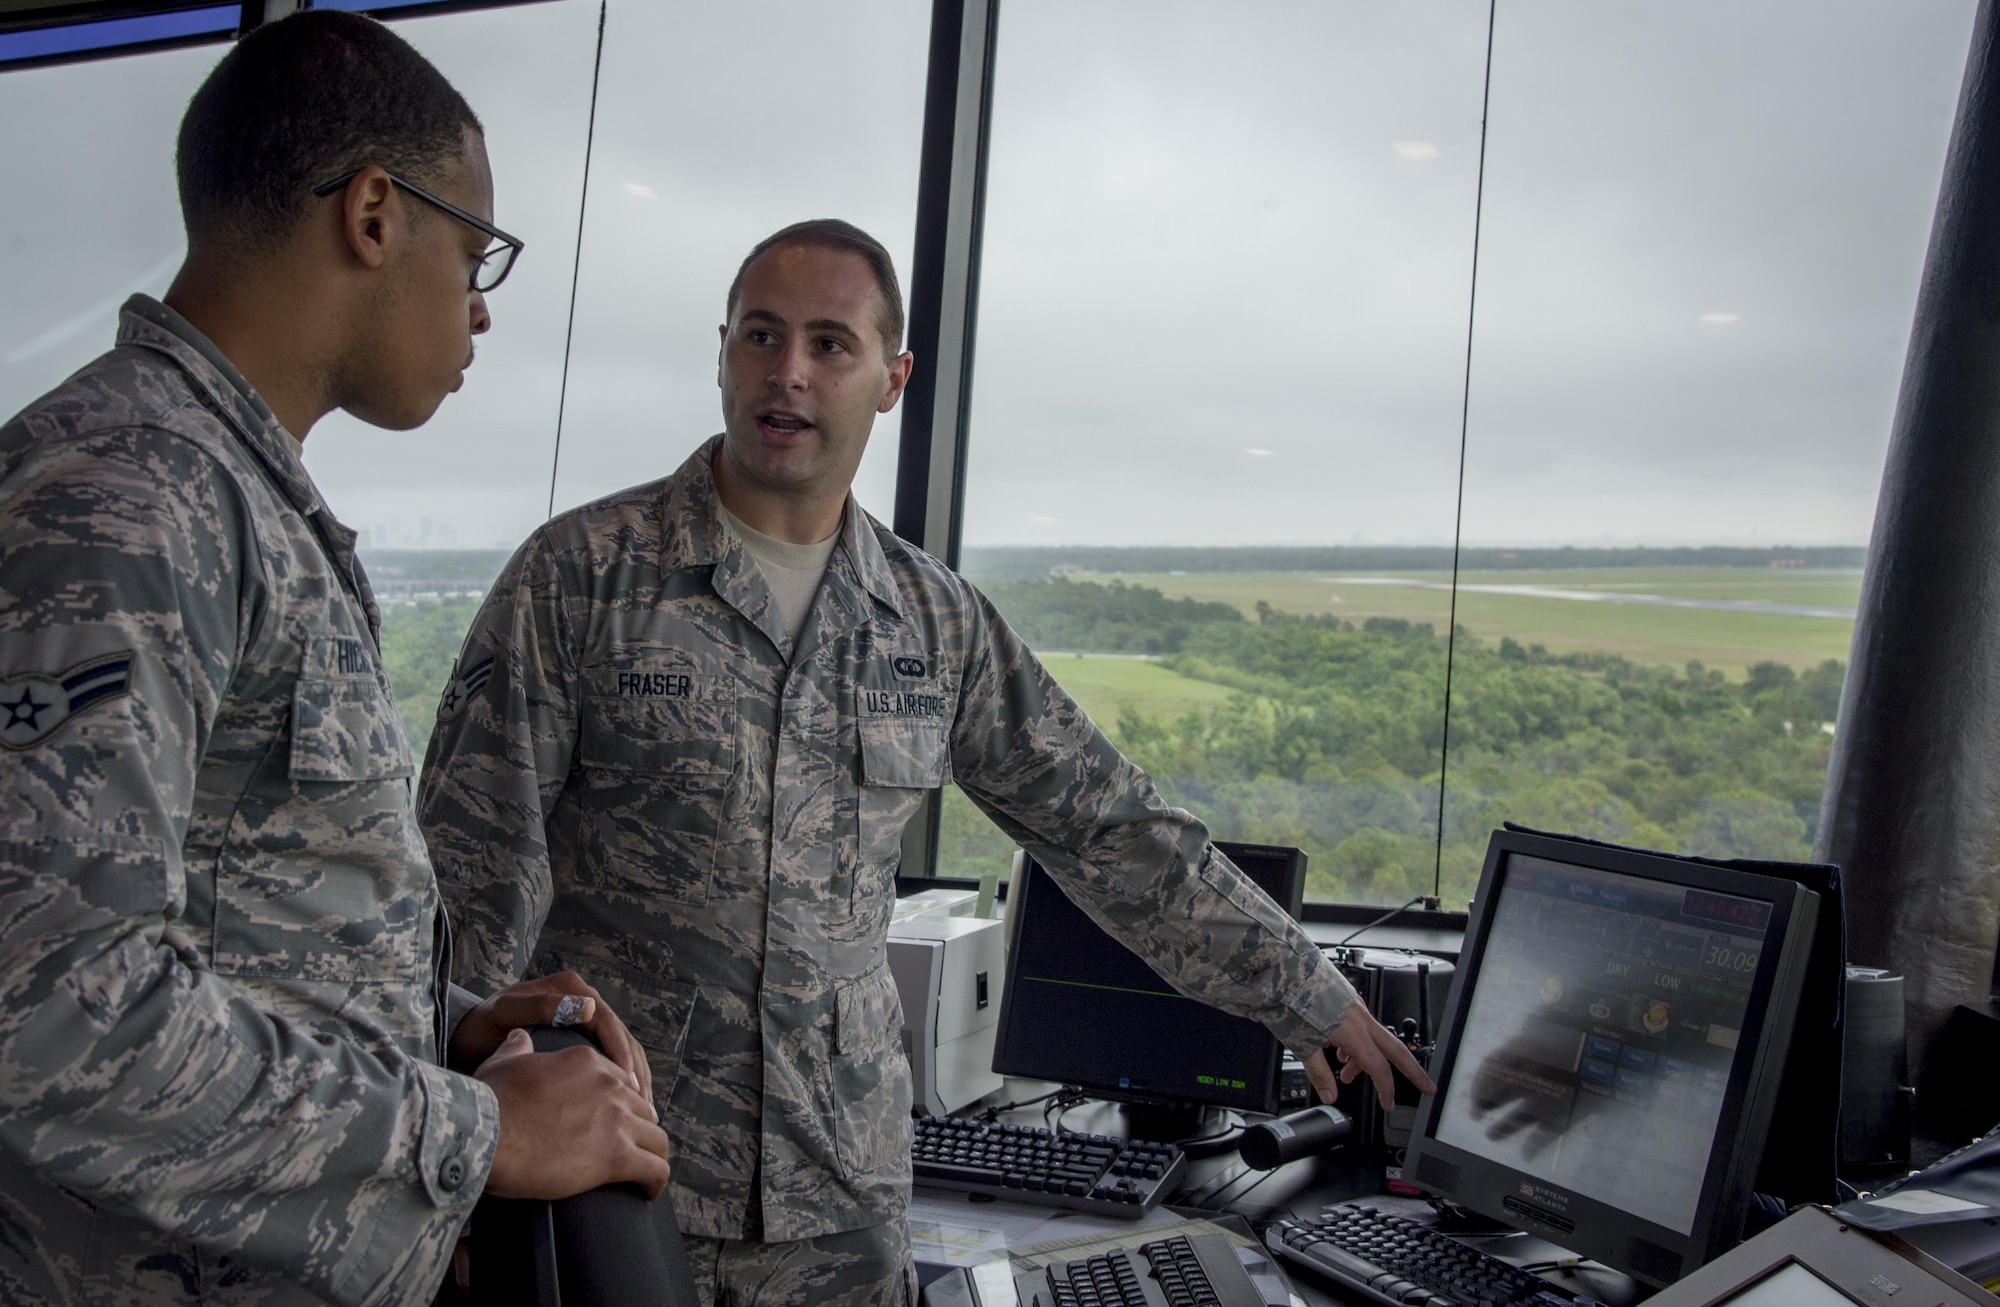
(843, 238)
(300, 101)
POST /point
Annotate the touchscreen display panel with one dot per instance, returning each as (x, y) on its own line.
(1599, 1037)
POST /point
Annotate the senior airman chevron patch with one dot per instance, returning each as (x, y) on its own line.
(463, 687)
(34, 706)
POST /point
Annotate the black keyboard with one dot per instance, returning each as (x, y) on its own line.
(1027, 1164)
(1388, 1260)
(1180, 1271)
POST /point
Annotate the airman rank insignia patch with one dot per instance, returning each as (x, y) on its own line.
(33, 707)
(463, 686)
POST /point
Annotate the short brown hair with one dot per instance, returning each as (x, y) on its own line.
(842, 238)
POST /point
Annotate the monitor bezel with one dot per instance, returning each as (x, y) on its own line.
(1597, 1229)
(1018, 899)
(1846, 1258)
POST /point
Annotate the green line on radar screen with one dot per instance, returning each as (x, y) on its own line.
(1116, 989)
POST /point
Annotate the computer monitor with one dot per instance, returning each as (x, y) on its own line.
(1082, 1009)
(1612, 1049)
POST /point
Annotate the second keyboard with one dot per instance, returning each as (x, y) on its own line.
(1397, 1263)
(1027, 1164)
(1178, 1271)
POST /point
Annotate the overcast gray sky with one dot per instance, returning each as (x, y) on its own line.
(1227, 264)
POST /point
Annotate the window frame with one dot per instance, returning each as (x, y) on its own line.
(109, 29)
(1319, 913)
(944, 312)
(945, 274)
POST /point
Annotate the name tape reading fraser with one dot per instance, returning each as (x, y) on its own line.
(662, 685)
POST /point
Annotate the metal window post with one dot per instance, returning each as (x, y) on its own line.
(256, 13)
(944, 308)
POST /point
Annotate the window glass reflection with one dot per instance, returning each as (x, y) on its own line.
(1223, 306)
(697, 155)
(716, 126)
(89, 213)
(1704, 229)
(440, 508)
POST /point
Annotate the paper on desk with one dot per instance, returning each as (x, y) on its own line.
(1926, 1203)
(1267, 1278)
(947, 1242)
(1970, 1177)
(993, 1285)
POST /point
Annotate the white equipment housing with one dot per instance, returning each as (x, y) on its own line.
(950, 971)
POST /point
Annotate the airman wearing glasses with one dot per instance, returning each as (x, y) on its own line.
(220, 1074)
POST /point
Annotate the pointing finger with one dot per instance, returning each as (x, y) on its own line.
(1322, 1077)
(1413, 1070)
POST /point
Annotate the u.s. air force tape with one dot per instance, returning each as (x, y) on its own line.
(891, 703)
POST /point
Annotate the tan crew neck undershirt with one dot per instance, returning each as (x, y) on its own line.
(792, 571)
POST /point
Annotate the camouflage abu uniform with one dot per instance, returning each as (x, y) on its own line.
(636, 775)
(217, 1039)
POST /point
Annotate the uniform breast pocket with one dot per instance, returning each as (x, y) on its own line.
(347, 729)
(900, 761)
(322, 874)
(655, 776)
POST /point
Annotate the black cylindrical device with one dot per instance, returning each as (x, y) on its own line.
(1874, 1073)
(1270, 1145)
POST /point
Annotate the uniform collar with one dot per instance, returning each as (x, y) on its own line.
(694, 534)
(149, 324)
(146, 322)
(871, 565)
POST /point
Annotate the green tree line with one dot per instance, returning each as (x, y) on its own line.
(1332, 738)
(1333, 741)
(1086, 617)
(419, 649)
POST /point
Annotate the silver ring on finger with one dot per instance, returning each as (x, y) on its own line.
(569, 1012)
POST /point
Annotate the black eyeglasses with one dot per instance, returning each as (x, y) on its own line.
(494, 265)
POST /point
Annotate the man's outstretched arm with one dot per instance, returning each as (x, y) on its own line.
(1146, 871)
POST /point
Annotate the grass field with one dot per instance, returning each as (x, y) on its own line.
(1731, 641)
(1106, 686)
(1841, 589)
